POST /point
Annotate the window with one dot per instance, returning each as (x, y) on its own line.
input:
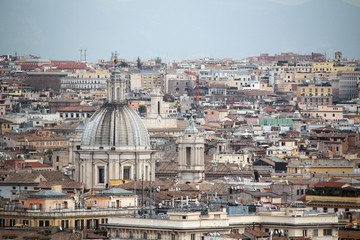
(145, 235)
(315, 232)
(126, 173)
(172, 236)
(188, 156)
(159, 236)
(192, 236)
(131, 235)
(327, 232)
(88, 223)
(304, 232)
(101, 175)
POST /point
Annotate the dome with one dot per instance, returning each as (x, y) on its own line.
(115, 125)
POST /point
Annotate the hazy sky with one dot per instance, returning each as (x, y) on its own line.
(178, 29)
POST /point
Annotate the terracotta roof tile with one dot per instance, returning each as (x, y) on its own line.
(37, 165)
(77, 109)
(257, 233)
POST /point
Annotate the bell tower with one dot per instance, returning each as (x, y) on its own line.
(191, 168)
(156, 103)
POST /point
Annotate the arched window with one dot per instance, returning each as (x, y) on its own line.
(117, 94)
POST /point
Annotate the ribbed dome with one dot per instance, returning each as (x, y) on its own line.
(115, 125)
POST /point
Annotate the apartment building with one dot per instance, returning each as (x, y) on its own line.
(148, 79)
(348, 84)
(328, 113)
(313, 95)
(85, 80)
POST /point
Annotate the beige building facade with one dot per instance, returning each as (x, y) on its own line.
(292, 222)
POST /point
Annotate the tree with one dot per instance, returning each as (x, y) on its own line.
(142, 109)
(124, 64)
(139, 64)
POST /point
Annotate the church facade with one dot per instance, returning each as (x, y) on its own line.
(115, 143)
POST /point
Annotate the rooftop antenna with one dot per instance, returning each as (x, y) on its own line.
(81, 54)
(85, 50)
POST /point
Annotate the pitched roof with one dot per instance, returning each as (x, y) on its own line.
(262, 194)
(130, 185)
(116, 192)
(330, 184)
(37, 165)
(257, 233)
(347, 180)
(2, 120)
(166, 195)
(36, 177)
(47, 194)
(77, 109)
(35, 137)
(64, 185)
(23, 177)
